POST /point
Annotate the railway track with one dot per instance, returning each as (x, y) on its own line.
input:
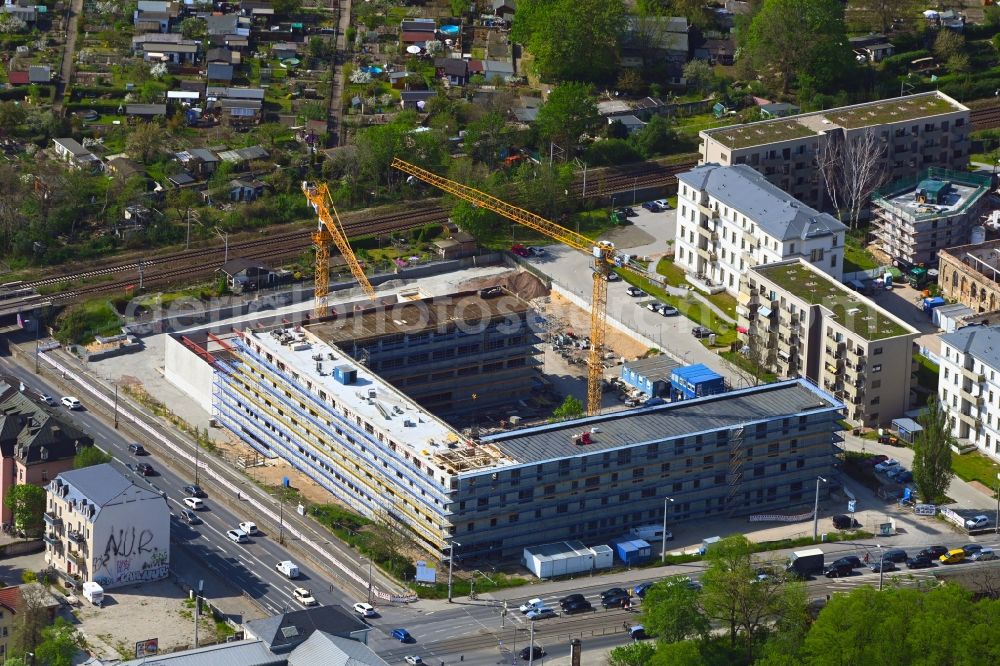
(167, 268)
(985, 118)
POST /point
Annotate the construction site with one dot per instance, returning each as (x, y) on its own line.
(429, 403)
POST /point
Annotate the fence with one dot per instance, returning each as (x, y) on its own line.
(778, 518)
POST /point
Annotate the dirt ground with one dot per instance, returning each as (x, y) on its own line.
(571, 317)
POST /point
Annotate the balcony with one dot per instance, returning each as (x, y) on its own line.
(51, 519)
(76, 537)
(52, 539)
(976, 377)
(78, 558)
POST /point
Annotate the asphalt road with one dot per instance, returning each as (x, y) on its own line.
(249, 566)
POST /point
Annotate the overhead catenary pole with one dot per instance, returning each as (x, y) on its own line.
(451, 565)
(816, 509)
(663, 551)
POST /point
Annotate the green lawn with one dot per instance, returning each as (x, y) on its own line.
(742, 362)
(975, 466)
(856, 257)
(671, 271)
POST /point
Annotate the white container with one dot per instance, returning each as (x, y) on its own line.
(93, 593)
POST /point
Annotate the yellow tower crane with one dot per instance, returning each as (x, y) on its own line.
(330, 229)
(604, 255)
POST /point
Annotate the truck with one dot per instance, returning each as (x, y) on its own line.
(932, 302)
(804, 563)
(917, 277)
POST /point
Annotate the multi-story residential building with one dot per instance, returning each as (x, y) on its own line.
(800, 322)
(101, 527)
(11, 604)
(970, 274)
(730, 219)
(916, 132)
(969, 386)
(35, 444)
(917, 217)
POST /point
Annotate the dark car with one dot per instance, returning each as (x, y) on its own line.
(617, 601)
(194, 490)
(402, 635)
(533, 652)
(641, 589)
(145, 469)
(700, 332)
(190, 517)
(136, 449)
(578, 606)
(904, 477)
(651, 206)
(635, 291)
(844, 522)
(627, 211)
(896, 555)
(885, 565)
(838, 569)
(919, 562)
(571, 599)
(933, 552)
(614, 592)
(971, 549)
(875, 460)
(852, 561)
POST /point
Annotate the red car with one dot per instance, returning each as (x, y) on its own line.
(520, 250)
(875, 460)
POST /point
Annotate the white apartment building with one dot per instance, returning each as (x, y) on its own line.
(969, 386)
(731, 219)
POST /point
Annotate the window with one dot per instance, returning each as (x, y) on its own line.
(877, 367)
(876, 351)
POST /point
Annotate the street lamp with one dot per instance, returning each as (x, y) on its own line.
(663, 551)
(451, 564)
(225, 237)
(881, 567)
(997, 524)
(816, 509)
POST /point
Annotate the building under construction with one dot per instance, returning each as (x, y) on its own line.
(356, 403)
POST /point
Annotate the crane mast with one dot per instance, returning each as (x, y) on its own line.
(603, 253)
(330, 230)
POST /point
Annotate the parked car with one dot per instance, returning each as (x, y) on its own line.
(878, 567)
(894, 472)
(843, 522)
(538, 251)
(886, 464)
(875, 460)
(190, 517)
(195, 490)
(663, 204)
(46, 398)
(533, 652)
(971, 549)
(520, 250)
(137, 450)
(654, 306)
(71, 402)
(635, 291)
(304, 596)
(627, 211)
(977, 523)
(904, 477)
(700, 332)
(985, 555)
(239, 536)
(571, 598)
(953, 556)
(249, 527)
(896, 555)
(669, 311)
(919, 562)
(365, 610)
(145, 469)
(612, 277)
(641, 589)
(852, 561)
(540, 613)
(838, 569)
(578, 606)
(933, 552)
(651, 206)
(194, 503)
(402, 635)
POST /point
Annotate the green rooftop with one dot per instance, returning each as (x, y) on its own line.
(755, 134)
(891, 111)
(849, 309)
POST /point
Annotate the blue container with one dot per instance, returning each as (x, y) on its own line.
(632, 551)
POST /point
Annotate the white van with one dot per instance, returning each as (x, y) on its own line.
(288, 568)
(93, 592)
(650, 532)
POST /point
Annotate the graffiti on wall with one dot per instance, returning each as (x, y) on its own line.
(129, 556)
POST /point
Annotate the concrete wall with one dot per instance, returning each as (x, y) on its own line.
(130, 542)
(188, 372)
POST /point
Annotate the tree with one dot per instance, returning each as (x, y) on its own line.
(286, 7)
(90, 456)
(60, 642)
(27, 503)
(485, 136)
(633, 654)
(630, 81)
(884, 13)
(611, 151)
(656, 138)
(12, 115)
(948, 43)
(789, 38)
(193, 28)
(932, 453)
(145, 142)
(318, 47)
(569, 409)
(700, 76)
(851, 170)
(30, 621)
(671, 611)
(616, 130)
(568, 113)
(571, 40)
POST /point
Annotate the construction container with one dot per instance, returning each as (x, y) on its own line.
(562, 559)
(632, 551)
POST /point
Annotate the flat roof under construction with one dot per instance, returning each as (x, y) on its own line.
(654, 424)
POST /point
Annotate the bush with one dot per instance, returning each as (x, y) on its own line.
(81, 322)
(610, 152)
